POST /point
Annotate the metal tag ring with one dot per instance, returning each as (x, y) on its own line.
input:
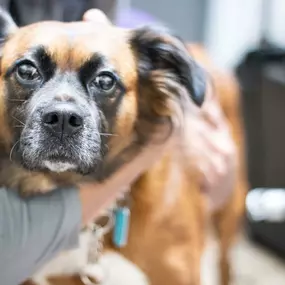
(102, 230)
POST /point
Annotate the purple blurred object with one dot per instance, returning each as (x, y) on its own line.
(132, 18)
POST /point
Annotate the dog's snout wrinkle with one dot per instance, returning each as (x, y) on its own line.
(64, 98)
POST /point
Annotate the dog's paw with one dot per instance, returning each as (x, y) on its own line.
(35, 183)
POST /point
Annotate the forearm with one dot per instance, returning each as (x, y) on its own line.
(34, 230)
(95, 198)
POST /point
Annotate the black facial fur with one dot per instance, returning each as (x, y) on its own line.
(86, 72)
(39, 57)
(158, 49)
(28, 105)
(108, 102)
(38, 143)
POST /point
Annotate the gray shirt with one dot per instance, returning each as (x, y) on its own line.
(34, 230)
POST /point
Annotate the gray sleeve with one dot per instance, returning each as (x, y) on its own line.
(34, 230)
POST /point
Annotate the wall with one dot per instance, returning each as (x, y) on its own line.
(232, 28)
(229, 28)
(276, 25)
(184, 16)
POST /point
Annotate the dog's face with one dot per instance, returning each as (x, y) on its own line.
(71, 93)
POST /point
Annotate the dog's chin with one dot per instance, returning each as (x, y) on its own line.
(59, 166)
(58, 160)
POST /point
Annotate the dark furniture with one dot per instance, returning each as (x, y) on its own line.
(262, 78)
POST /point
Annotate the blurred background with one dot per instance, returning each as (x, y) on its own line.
(247, 38)
(227, 28)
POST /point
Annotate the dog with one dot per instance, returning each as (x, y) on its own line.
(78, 101)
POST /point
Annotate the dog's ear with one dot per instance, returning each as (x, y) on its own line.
(7, 26)
(158, 50)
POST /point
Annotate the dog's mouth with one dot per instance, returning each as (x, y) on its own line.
(59, 162)
(41, 152)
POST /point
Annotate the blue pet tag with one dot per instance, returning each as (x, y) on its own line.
(121, 227)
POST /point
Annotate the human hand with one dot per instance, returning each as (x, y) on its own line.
(96, 197)
(212, 150)
(96, 16)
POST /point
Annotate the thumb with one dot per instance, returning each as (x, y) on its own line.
(96, 15)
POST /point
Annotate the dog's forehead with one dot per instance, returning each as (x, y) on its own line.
(73, 43)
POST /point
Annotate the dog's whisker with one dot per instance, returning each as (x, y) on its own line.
(16, 100)
(19, 120)
(12, 149)
(21, 111)
(108, 135)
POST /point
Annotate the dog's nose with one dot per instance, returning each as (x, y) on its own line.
(62, 120)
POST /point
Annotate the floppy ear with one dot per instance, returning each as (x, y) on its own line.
(7, 26)
(158, 50)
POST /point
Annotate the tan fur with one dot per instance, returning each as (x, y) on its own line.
(227, 220)
(168, 221)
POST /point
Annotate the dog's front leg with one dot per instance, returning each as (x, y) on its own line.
(40, 280)
(37, 281)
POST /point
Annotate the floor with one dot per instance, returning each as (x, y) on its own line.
(253, 265)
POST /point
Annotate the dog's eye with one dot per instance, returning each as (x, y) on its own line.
(27, 73)
(106, 82)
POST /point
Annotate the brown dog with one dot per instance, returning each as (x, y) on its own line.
(78, 101)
